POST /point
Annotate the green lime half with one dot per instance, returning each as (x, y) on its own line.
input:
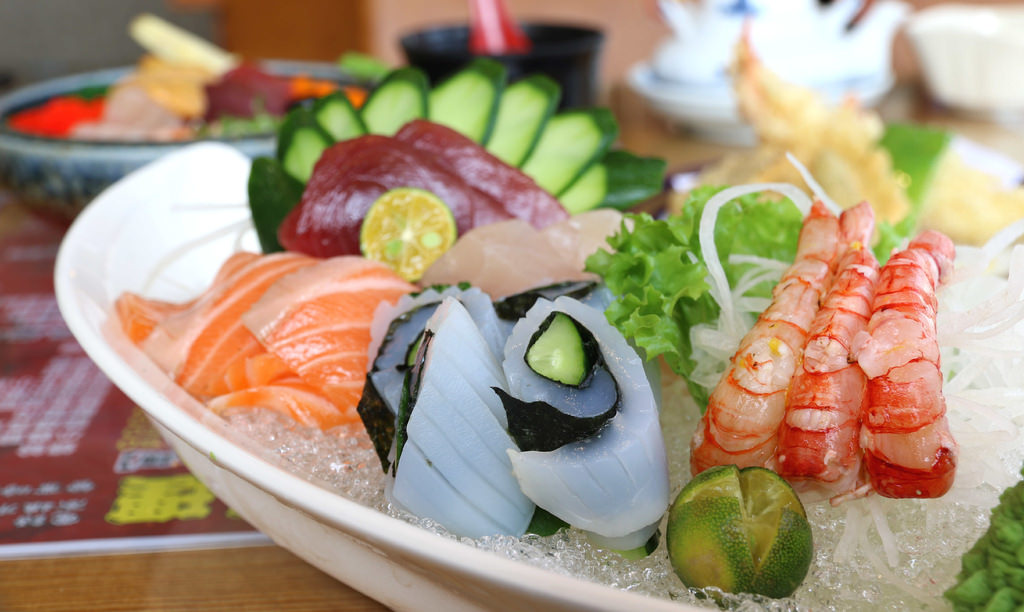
(407, 229)
(743, 531)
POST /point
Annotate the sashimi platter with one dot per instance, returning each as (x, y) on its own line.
(429, 348)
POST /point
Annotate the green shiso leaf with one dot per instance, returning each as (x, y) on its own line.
(656, 271)
(544, 523)
(272, 195)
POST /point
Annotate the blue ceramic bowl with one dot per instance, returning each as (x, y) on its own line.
(61, 175)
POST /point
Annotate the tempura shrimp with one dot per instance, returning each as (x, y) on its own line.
(818, 442)
(745, 409)
(908, 448)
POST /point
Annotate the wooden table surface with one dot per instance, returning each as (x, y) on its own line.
(271, 578)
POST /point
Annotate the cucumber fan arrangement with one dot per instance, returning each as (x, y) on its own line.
(473, 124)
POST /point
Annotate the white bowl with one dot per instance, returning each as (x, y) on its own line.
(710, 111)
(972, 57)
(164, 230)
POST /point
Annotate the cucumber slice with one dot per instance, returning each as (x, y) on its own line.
(300, 142)
(619, 180)
(570, 143)
(272, 195)
(338, 117)
(558, 352)
(524, 110)
(400, 98)
(467, 101)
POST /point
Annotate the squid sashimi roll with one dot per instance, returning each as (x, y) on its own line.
(452, 446)
(394, 336)
(592, 293)
(583, 414)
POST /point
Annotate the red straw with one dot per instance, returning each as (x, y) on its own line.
(493, 31)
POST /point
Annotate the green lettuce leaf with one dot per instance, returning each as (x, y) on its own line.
(658, 275)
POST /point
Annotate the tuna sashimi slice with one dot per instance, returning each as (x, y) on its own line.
(353, 173)
(317, 322)
(520, 194)
(198, 345)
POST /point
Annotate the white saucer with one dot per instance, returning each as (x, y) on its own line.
(709, 110)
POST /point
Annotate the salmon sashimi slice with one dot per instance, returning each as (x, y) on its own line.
(317, 321)
(138, 316)
(293, 398)
(200, 344)
(256, 371)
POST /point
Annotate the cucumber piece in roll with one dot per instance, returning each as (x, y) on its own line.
(566, 354)
(613, 483)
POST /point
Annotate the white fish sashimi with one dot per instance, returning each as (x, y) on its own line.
(456, 426)
(512, 256)
(614, 484)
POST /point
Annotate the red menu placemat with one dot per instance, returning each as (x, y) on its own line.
(81, 468)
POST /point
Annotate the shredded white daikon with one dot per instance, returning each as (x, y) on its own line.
(714, 343)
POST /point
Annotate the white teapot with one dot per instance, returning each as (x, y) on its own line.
(800, 40)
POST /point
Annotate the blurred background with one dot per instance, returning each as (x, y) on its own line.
(40, 39)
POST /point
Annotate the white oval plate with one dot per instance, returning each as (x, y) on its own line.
(163, 231)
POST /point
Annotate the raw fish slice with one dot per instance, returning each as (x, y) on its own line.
(502, 259)
(426, 493)
(467, 452)
(510, 257)
(131, 114)
(293, 398)
(317, 321)
(260, 369)
(462, 348)
(521, 196)
(352, 174)
(199, 345)
(581, 235)
(138, 315)
(453, 426)
(614, 484)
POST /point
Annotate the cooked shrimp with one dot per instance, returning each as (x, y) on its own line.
(818, 440)
(908, 448)
(742, 420)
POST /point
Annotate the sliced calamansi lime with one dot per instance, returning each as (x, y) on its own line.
(407, 229)
(741, 531)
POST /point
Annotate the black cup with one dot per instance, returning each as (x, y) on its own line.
(568, 54)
